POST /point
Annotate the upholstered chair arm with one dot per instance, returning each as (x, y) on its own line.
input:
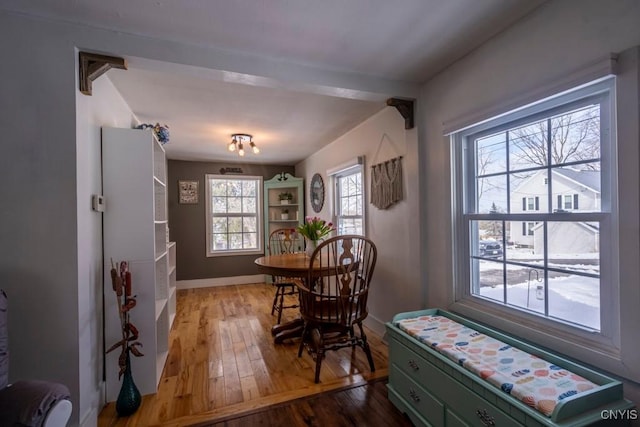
(28, 403)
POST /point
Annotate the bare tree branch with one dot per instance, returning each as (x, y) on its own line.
(574, 137)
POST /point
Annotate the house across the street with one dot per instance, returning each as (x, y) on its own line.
(572, 190)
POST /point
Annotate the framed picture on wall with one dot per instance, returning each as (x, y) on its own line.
(188, 192)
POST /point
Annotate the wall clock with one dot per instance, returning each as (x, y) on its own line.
(317, 192)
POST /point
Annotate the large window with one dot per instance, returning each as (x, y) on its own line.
(536, 187)
(234, 216)
(349, 201)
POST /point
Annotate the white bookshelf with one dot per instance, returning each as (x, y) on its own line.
(171, 302)
(135, 230)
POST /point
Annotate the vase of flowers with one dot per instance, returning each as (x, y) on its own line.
(314, 230)
(129, 398)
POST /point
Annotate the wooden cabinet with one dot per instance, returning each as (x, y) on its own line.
(280, 211)
(135, 230)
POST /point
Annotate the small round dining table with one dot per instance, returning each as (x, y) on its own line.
(288, 265)
(294, 265)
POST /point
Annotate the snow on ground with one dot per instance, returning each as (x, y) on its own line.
(573, 298)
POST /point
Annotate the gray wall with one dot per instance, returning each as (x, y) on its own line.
(395, 285)
(187, 225)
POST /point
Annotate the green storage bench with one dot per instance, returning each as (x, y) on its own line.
(448, 371)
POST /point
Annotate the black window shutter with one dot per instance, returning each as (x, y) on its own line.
(537, 203)
(524, 203)
(575, 201)
(559, 201)
(524, 228)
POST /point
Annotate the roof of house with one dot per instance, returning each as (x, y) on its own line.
(593, 227)
(588, 178)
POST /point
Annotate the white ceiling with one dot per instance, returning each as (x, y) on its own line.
(384, 47)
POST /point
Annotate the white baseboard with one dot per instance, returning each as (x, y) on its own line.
(220, 281)
(90, 419)
(376, 325)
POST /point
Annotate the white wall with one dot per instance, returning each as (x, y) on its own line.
(394, 231)
(105, 107)
(51, 263)
(38, 218)
(555, 41)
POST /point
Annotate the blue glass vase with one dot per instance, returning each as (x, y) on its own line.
(129, 398)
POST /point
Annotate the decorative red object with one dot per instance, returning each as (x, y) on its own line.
(121, 282)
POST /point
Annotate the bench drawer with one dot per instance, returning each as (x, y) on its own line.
(469, 406)
(420, 400)
(407, 360)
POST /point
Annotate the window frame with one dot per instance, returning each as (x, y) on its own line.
(337, 211)
(530, 225)
(608, 338)
(531, 204)
(209, 215)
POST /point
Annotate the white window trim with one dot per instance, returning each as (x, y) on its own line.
(338, 169)
(342, 170)
(260, 217)
(603, 350)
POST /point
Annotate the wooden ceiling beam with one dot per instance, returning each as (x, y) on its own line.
(93, 66)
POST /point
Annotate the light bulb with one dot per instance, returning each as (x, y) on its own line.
(232, 146)
(254, 147)
(240, 150)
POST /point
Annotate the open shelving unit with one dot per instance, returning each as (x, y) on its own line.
(274, 207)
(135, 230)
(171, 303)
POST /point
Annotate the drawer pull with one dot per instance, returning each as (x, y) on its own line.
(414, 365)
(414, 395)
(484, 416)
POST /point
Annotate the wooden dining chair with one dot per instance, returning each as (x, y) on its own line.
(333, 298)
(284, 241)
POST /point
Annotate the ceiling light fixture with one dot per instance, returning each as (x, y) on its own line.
(237, 143)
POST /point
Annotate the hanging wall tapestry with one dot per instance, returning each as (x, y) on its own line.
(386, 183)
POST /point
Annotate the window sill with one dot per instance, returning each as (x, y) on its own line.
(234, 253)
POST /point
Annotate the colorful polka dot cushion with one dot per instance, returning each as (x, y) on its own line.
(526, 377)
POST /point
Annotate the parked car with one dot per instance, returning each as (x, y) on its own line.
(490, 249)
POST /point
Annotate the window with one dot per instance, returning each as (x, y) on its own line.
(520, 177)
(349, 201)
(529, 228)
(531, 203)
(568, 202)
(234, 216)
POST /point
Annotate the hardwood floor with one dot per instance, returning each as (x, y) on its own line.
(223, 363)
(361, 406)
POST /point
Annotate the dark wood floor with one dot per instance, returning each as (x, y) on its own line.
(361, 406)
